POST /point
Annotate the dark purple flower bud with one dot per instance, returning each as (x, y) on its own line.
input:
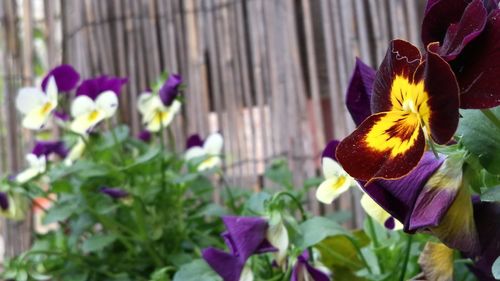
(303, 268)
(114, 192)
(194, 140)
(170, 89)
(144, 135)
(48, 147)
(4, 201)
(66, 78)
(94, 87)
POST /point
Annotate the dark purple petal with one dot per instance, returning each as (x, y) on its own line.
(194, 140)
(94, 87)
(478, 66)
(228, 266)
(4, 201)
(359, 92)
(459, 34)
(247, 235)
(114, 192)
(170, 89)
(431, 205)
(329, 150)
(487, 218)
(144, 135)
(398, 197)
(61, 115)
(303, 264)
(438, 17)
(48, 147)
(66, 78)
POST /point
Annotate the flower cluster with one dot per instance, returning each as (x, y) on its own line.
(403, 153)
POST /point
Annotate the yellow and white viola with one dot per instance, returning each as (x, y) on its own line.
(209, 151)
(37, 166)
(156, 115)
(37, 105)
(87, 112)
(76, 151)
(337, 180)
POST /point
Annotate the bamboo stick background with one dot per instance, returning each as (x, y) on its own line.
(269, 74)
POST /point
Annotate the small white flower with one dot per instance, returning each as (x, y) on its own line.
(37, 166)
(246, 274)
(155, 115)
(88, 112)
(37, 106)
(337, 181)
(210, 152)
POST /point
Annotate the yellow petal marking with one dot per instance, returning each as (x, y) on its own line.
(398, 130)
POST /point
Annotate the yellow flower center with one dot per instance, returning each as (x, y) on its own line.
(46, 108)
(339, 182)
(93, 115)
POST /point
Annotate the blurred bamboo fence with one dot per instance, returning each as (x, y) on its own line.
(270, 74)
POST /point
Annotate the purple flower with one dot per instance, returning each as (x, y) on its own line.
(144, 135)
(114, 192)
(94, 87)
(432, 198)
(48, 147)
(302, 270)
(4, 201)
(359, 92)
(244, 237)
(66, 78)
(468, 36)
(170, 89)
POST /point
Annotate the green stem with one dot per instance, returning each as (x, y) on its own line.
(142, 228)
(227, 189)
(358, 249)
(115, 140)
(162, 159)
(171, 139)
(406, 258)
(492, 117)
(376, 244)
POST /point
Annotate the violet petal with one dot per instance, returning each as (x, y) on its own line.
(66, 78)
(359, 92)
(170, 89)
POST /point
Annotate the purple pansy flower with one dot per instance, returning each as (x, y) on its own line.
(114, 192)
(302, 270)
(97, 100)
(95, 86)
(65, 76)
(61, 115)
(468, 33)
(244, 237)
(170, 89)
(4, 201)
(144, 135)
(210, 150)
(50, 147)
(359, 92)
(433, 198)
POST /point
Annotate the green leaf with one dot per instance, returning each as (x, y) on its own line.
(481, 137)
(317, 229)
(491, 195)
(59, 213)
(97, 242)
(495, 269)
(147, 157)
(195, 271)
(107, 140)
(255, 204)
